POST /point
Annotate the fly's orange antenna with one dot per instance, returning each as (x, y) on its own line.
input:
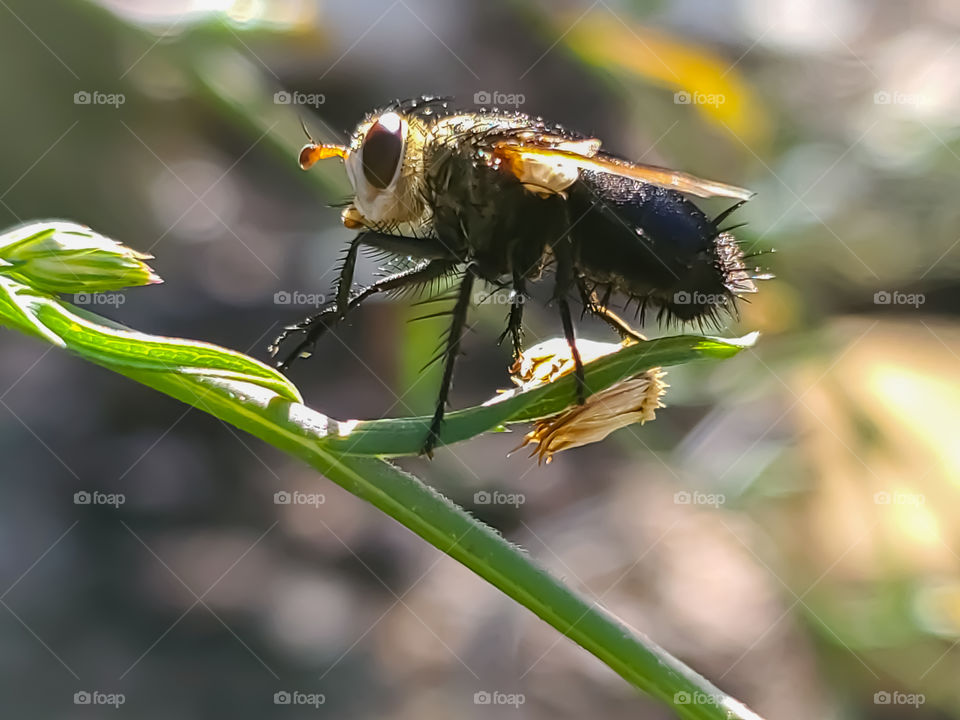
(313, 151)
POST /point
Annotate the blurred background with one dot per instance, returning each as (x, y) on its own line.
(787, 526)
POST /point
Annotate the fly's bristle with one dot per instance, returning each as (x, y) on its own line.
(447, 297)
(729, 259)
(376, 254)
(429, 316)
(731, 228)
(433, 360)
(726, 213)
(759, 253)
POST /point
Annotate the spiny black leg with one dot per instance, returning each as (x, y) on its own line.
(312, 328)
(515, 318)
(565, 276)
(571, 337)
(595, 307)
(616, 322)
(345, 279)
(315, 326)
(454, 338)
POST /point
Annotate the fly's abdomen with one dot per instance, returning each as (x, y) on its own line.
(655, 246)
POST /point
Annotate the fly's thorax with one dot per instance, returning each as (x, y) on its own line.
(494, 140)
(467, 136)
(464, 126)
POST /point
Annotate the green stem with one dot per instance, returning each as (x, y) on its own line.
(301, 432)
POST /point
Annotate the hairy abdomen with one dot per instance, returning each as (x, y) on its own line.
(654, 246)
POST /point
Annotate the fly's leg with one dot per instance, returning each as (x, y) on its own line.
(449, 354)
(345, 278)
(315, 326)
(595, 307)
(564, 281)
(515, 318)
(570, 335)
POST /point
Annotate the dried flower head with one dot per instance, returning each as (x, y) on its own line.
(629, 401)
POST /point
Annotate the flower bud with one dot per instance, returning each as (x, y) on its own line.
(62, 257)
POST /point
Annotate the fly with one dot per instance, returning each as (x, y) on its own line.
(499, 198)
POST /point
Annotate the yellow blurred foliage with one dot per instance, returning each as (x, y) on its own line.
(697, 76)
(878, 428)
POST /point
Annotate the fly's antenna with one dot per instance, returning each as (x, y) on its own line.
(306, 132)
(313, 151)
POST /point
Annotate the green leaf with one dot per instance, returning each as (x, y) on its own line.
(404, 436)
(111, 344)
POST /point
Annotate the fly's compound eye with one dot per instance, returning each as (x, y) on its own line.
(382, 150)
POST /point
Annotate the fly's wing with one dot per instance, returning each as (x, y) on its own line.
(553, 162)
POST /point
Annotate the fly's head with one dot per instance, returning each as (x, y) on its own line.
(384, 163)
